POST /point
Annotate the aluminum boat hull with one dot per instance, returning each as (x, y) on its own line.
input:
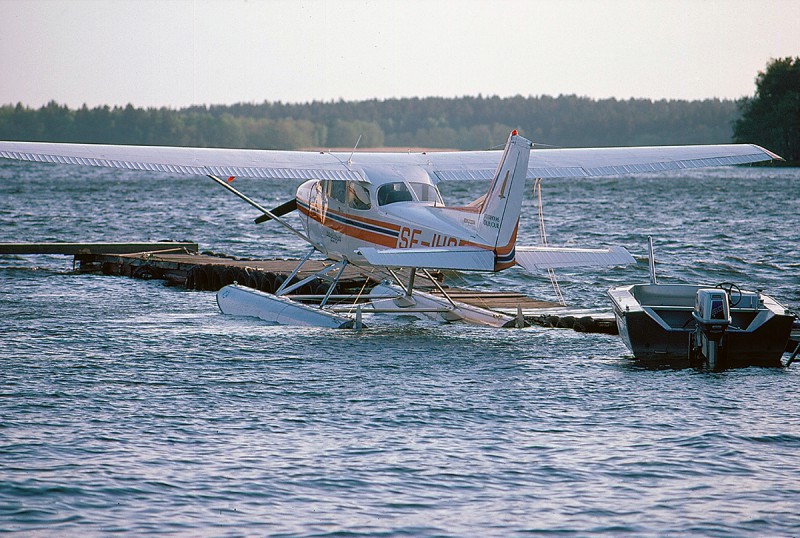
(655, 323)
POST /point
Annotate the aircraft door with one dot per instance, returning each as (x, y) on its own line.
(336, 215)
(317, 210)
(333, 204)
(358, 204)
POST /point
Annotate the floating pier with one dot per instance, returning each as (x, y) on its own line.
(181, 264)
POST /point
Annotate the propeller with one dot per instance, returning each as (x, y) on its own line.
(279, 211)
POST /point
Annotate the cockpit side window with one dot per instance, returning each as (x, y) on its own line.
(426, 192)
(358, 195)
(394, 192)
(337, 190)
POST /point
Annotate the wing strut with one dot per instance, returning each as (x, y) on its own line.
(267, 212)
(439, 287)
(285, 287)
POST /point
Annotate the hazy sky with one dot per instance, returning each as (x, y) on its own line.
(183, 52)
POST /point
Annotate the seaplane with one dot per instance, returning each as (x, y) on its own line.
(385, 210)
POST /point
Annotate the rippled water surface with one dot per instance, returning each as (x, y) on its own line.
(129, 406)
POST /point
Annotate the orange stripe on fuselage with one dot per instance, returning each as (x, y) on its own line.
(363, 234)
(389, 241)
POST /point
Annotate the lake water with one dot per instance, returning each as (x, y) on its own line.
(131, 407)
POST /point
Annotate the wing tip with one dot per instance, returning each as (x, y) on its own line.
(772, 156)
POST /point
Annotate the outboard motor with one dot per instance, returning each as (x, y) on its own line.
(713, 316)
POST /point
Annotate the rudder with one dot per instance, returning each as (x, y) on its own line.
(503, 203)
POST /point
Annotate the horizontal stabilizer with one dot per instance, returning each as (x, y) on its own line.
(538, 258)
(456, 258)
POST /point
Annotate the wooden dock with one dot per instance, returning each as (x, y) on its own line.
(210, 273)
(180, 264)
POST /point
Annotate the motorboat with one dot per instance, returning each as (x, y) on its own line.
(713, 326)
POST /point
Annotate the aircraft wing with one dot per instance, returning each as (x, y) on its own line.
(447, 165)
(538, 258)
(225, 162)
(589, 162)
(463, 258)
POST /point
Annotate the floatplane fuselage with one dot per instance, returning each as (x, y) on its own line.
(396, 208)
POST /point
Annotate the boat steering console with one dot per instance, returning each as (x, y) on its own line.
(729, 288)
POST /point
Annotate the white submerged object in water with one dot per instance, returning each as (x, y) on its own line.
(239, 300)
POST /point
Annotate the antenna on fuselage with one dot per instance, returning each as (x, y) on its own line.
(350, 159)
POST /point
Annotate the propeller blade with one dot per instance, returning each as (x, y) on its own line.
(279, 211)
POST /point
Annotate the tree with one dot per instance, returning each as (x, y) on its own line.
(771, 118)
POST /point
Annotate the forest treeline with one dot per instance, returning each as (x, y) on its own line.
(459, 123)
(771, 117)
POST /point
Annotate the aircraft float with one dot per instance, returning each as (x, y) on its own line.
(384, 210)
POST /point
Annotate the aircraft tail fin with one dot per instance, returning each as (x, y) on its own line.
(499, 215)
